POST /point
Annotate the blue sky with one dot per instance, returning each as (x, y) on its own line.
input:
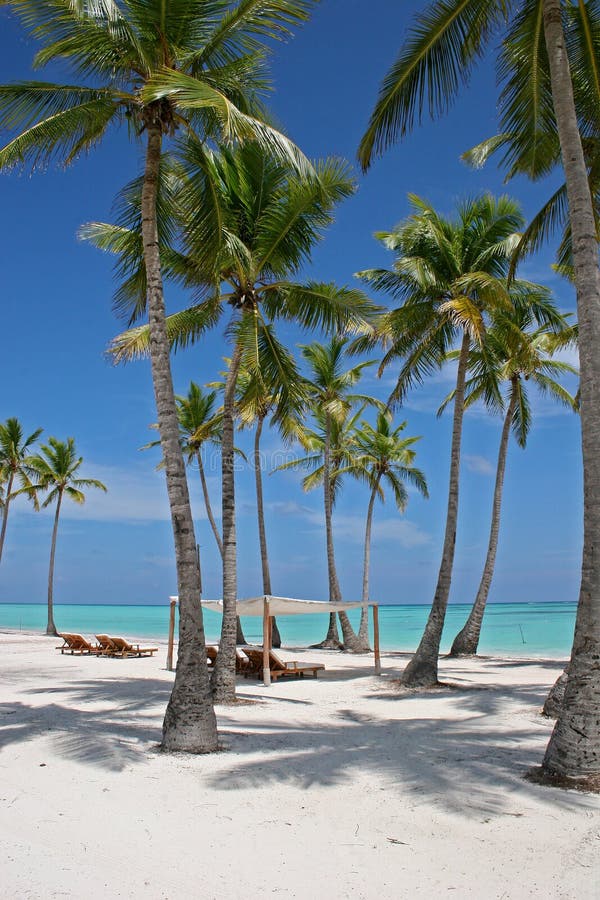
(57, 322)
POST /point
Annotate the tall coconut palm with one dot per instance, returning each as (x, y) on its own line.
(533, 147)
(326, 445)
(517, 357)
(436, 60)
(379, 456)
(330, 392)
(199, 424)
(255, 403)
(15, 451)
(54, 469)
(156, 67)
(248, 222)
(450, 275)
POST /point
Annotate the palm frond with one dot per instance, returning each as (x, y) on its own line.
(436, 60)
(318, 305)
(77, 125)
(183, 328)
(189, 93)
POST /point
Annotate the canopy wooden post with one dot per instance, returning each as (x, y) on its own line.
(173, 603)
(376, 639)
(266, 644)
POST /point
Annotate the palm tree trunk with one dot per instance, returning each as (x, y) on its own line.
(332, 638)
(363, 631)
(262, 533)
(207, 503)
(422, 670)
(240, 639)
(189, 723)
(223, 681)
(467, 640)
(556, 697)
(574, 747)
(5, 511)
(51, 627)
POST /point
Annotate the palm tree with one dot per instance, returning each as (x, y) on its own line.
(54, 470)
(15, 452)
(533, 147)
(436, 60)
(255, 403)
(248, 222)
(379, 455)
(450, 274)
(512, 355)
(331, 437)
(199, 423)
(329, 388)
(157, 68)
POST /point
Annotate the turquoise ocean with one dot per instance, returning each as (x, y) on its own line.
(509, 629)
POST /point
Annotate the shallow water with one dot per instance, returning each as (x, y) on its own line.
(512, 629)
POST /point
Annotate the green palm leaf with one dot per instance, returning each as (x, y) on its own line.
(434, 63)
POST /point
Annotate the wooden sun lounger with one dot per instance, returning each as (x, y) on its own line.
(241, 660)
(119, 647)
(279, 668)
(76, 644)
(105, 643)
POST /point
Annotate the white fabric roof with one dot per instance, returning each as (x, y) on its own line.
(282, 606)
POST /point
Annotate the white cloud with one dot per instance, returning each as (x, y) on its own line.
(479, 464)
(403, 531)
(352, 528)
(135, 494)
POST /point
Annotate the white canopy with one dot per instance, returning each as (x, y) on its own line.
(282, 606)
(268, 607)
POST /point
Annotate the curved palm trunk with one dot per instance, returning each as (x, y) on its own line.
(363, 631)
(5, 512)
(574, 747)
(422, 670)
(189, 723)
(467, 640)
(262, 533)
(51, 627)
(223, 681)
(207, 503)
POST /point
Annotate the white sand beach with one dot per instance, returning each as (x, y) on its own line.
(329, 788)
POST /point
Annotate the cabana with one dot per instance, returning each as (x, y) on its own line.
(268, 606)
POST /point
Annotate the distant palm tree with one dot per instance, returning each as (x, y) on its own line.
(156, 68)
(54, 470)
(450, 275)
(199, 423)
(378, 456)
(331, 437)
(329, 386)
(15, 450)
(514, 356)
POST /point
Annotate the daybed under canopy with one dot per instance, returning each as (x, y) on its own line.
(268, 606)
